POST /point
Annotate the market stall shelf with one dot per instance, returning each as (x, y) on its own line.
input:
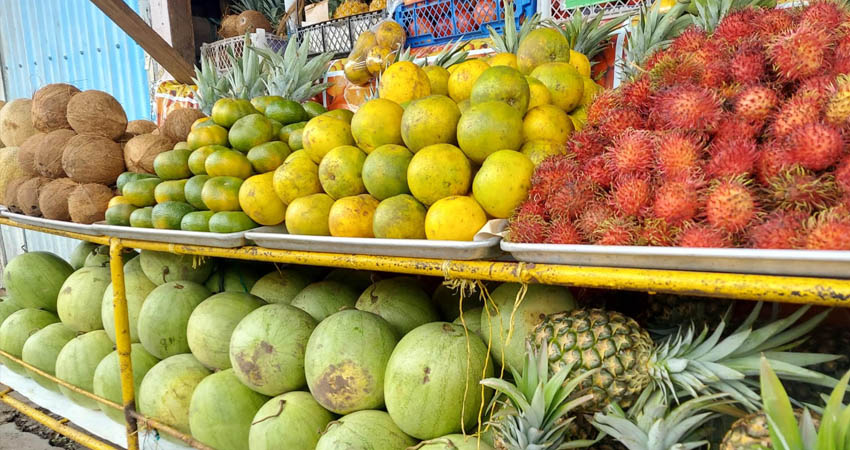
(220, 240)
(52, 224)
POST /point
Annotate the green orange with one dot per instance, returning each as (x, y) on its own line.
(228, 163)
(192, 191)
(207, 135)
(170, 191)
(198, 158)
(286, 111)
(221, 193)
(173, 164)
(168, 215)
(269, 156)
(250, 131)
(227, 111)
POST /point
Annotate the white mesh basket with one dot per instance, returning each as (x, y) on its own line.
(561, 10)
(217, 51)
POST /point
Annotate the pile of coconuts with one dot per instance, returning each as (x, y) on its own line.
(64, 150)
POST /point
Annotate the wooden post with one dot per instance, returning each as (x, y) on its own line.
(172, 19)
(164, 54)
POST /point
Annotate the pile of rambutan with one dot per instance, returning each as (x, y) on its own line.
(737, 138)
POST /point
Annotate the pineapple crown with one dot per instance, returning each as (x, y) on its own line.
(589, 36)
(451, 53)
(509, 43)
(211, 87)
(787, 434)
(537, 404)
(711, 363)
(711, 12)
(273, 10)
(656, 427)
(293, 74)
(245, 76)
(653, 31)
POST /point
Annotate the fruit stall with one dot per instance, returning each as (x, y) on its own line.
(493, 228)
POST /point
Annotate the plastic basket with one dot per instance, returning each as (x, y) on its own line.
(217, 51)
(432, 22)
(338, 35)
(561, 10)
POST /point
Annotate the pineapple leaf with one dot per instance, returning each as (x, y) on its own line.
(782, 425)
(828, 437)
(589, 36)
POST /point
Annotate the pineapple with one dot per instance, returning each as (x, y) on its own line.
(350, 8)
(752, 431)
(631, 367)
(653, 31)
(509, 43)
(590, 36)
(292, 75)
(665, 313)
(534, 415)
(210, 85)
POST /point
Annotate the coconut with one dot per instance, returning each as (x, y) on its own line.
(140, 151)
(50, 106)
(93, 159)
(135, 127)
(27, 195)
(228, 26)
(15, 122)
(251, 20)
(9, 166)
(10, 198)
(26, 155)
(88, 202)
(48, 157)
(178, 123)
(53, 199)
(96, 112)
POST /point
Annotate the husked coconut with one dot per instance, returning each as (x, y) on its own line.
(228, 26)
(88, 158)
(178, 123)
(98, 113)
(140, 151)
(9, 166)
(140, 127)
(10, 198)
(2, 104)
(250, 20)
(50, 106)
(123, 139)
(53, 199)
(26, 155)
(88, 202)
(27, 195)
(48, 157)
(16, 122)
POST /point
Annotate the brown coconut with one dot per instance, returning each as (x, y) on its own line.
(50, 106)
(10, 198)
(88, 158)
(140, 151)
(98, 113)
(135, 127)
(250, 20)
(88, 202)
(16, 122)
(48, 157)
(26, 154)
(178, 123)
(9, 166)
(228, 26)
(53, 199)
(27, 195)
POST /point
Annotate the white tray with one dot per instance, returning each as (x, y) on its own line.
(221, 240)
(49, 223)
(808, 263)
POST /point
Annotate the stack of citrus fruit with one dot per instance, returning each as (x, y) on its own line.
(220, 178)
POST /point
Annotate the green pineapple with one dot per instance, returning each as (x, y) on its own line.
(293, 74)
(653, 31)
(211, 86)
(589, 36)
(509, 42)
(665, 313)
(708, 13)
(451, 53)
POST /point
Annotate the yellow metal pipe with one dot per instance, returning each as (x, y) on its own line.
(103, 240)
(63, 383)
(148, 422)
(58, 426)
(122, 340)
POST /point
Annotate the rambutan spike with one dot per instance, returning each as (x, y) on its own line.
(748, 65)
(772, 160)
(617, 121)
(563, 232)
(815, 146)
(735, 27)
(526, 228)
(756, 102)
(704, 236)
(800, 189)
(735, 127)
(842, 174)
(586, 144)
(823, 13)
(599, 108)
(674, 70)
(594, 214)
(802, 108)
(774, 22)
(676, 201)
(731, 205)
(732, 157)
(678, 154)
(689, 41)
(631, 194)
(637, 93)
(780, 230)
(597, 170)
(688, 108)
(828, 230)
(838, 106)
(632, 152)
(570, 198)
(656, 232)
(801, 53)
(616, 231)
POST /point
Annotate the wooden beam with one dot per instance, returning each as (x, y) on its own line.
(127, 19)
(172, 19)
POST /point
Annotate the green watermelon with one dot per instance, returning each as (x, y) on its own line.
(137, 286)
(165, 314)
(448, 302)
(99, 257)
(80, 253)
(455, 442)
(77, 362)
(42, 349)
(235, 276)
(223, 424)
(324, 298)
(280, 286)
(80, 299)
(401, 301)
(7, 307)
(166, 390)
(289, 421)
(472, 320)
(162, 267)
(107, 377)
(368, 429)
(33, 279)
(17, 328)
(212, 323)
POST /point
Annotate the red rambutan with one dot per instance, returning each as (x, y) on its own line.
(716, 73)
(842, 175)
(526, 228)
(823, 13)
(597, 170)
(771, 161)
(676, 201)
(801, 53)
(586, 144)
(674, 70)
(602, 105)
(749, 65)
(798, 188)
(631, 195)
(830, 230)
(773, 22)
(703, 236)
(637, 93)
(734, 27)
(569, 199)
(619, 120)
(837, 110)
(632, 152)
(756, 102)
(780, 230)
(688, 108)
(841, 65)
(731, 157)
(678, 155)
(818, 87)
(550, 174)
(594, 214)
(656, 233)
(735, 127)
(800, 109)
(689, 41)
(815, 146)
(730, 205)
(562, 232)
(616, 231)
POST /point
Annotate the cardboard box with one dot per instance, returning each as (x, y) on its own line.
(315, 13)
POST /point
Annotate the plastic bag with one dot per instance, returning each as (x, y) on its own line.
(375, 49)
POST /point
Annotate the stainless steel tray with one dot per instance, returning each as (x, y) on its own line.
(809, 263)
(221, 240)
(53, 224)
(415, 248)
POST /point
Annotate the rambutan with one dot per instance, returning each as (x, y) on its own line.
(631, 195)
(841, 64)
(562, 232)
(819, 87)
(678, 155)
(673, 70)
(689, 41)
(655, 232)
(550, 175)
(688, 108)
(715, 73)
(756, 102)
(732, 157)
(780, 230)
(637, 93)
(730, 205)
(771, 161)
(823, 13)
(526, 228)
(616, 231)
(703, 236)
(569, 199)
(815, 146)
(800, 109)
(586, 144)
(602, 105)
(798, 188)
(801, 53)
(632, 152)
(597, 170)
(837, 110)
(594, 214)
(735, 127)
(829, 230)
(749, 65)
(773, 22)
(734, 27)
(619, 120)
(842, 175)
(676, 201)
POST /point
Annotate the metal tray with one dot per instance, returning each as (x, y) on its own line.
(53, 224)
(416, 248)
(220, 240)
(809, 263)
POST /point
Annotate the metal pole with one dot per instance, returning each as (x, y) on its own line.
(122, 341)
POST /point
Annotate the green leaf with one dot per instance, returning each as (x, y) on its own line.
(784, 434)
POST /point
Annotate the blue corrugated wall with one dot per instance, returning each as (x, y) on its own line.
(71, 41)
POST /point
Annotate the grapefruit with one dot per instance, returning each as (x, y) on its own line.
(430, 120)
(401, 301)
(298, 424)
(308, 215)
(77, 362)
(323, 298)
(455, 218)
(340, 171)
(438, 171)
(352, 216)
(166, 390)
(503, 182)
(439, 79)
(280, 286)
(399, 217)
(488, 127)
(503, 59)
(537, 151)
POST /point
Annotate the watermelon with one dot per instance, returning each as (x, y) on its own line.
(290, 421)
(280, 286)
(77, 362)
(162, 267)
(401, 301)
(17, 328)
(212, 323)
(267, 348)
(80, 253)
(137, 286)
(166, 390)
(472, 320)
(165, 314)
(448, 302)
(368, 429)
(324, 298)
(429, 389)
(99, 257)
(346, 359)
(107, 377)
(357, 279)
(223, 424)
(7, 307)
(235, 276)
(80, 299)
(42, 349)
(33, 279)
(455, 442)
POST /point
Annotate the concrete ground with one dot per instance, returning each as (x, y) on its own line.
(19, 432)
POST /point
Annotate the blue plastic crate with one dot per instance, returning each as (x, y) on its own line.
(432, 22)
